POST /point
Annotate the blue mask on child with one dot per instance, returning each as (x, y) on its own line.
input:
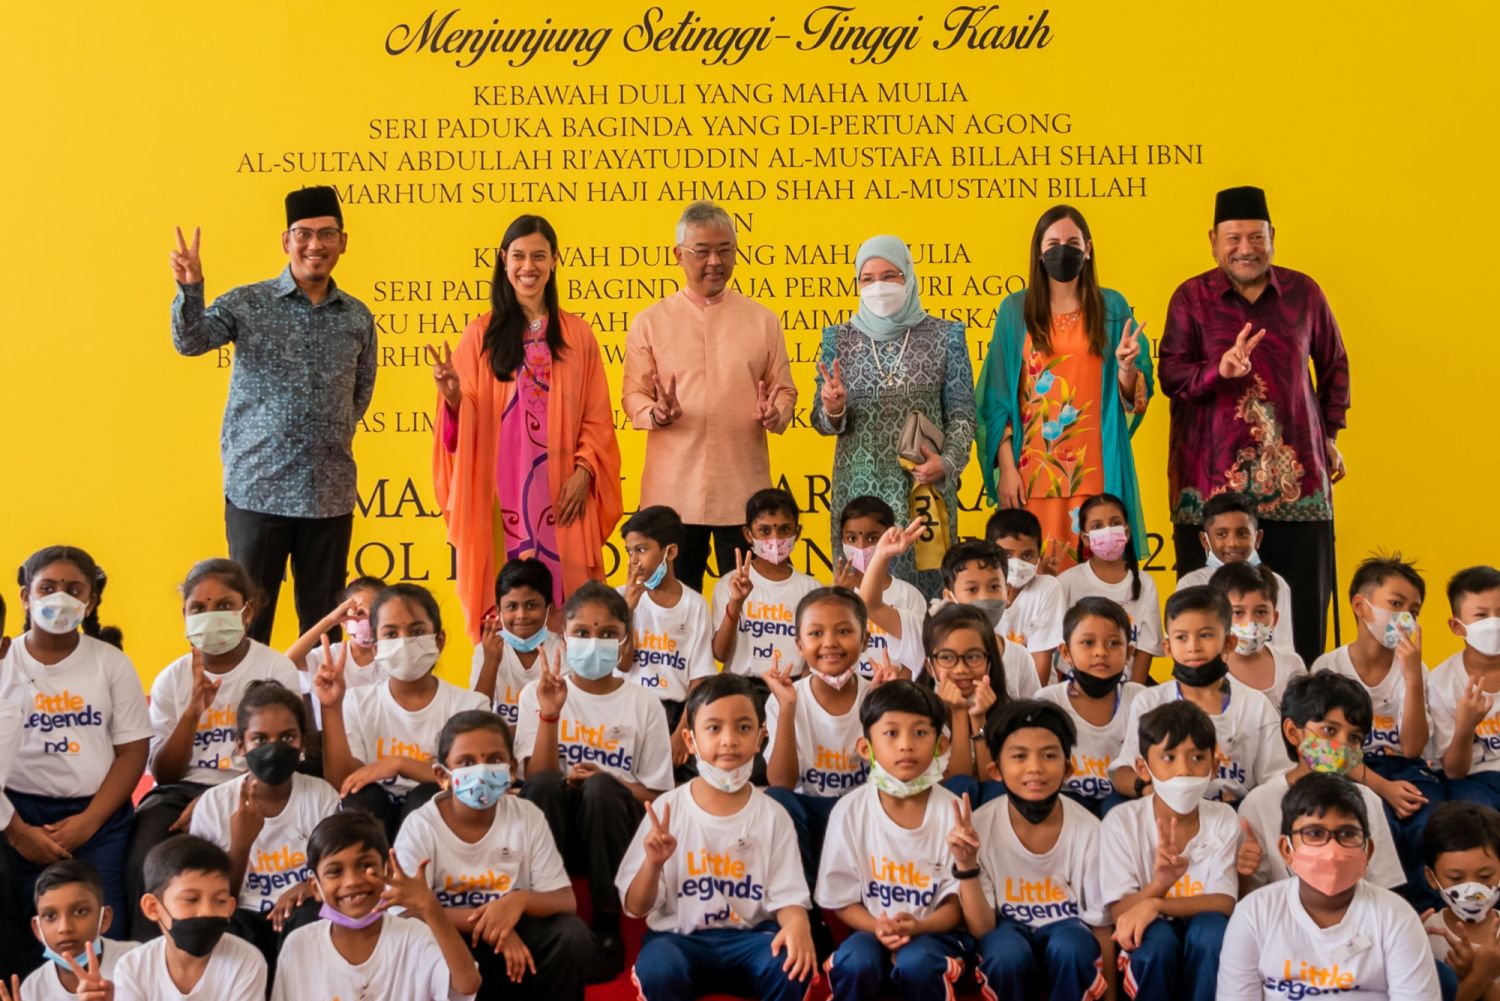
(82, 959)
(660, 574)
(480, 787)
(527, 645)
(592, 658)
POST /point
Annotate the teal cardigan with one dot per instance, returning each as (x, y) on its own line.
(998, 397)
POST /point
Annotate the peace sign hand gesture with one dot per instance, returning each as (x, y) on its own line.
(187, 266)
(444, 374)
(834, 395)
(765, 410)
(205, 689)
(666, 409)
(963, 840)
(1236, 361)
(1130, 347)
(91, 983)
(1169, 865)
(740, 584)
(660, 843)
(551, 689)
(779, 680)
(1474, 705)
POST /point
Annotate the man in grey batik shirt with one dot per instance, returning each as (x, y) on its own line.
(304, 372)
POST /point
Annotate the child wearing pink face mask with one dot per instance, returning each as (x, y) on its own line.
(353, 616)
(1112, 571)
(1327, 929)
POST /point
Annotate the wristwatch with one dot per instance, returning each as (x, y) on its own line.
(965, 873)
(977, 735)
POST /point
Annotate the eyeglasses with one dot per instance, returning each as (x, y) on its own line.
(723, 253)
(885, 276)
(1316, 836)
(325, 235)
(972, 658)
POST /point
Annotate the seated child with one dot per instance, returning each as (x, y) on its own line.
(885, 867)
(1324, 719)
(1167, 860)
(1462, 847)
(862, 523)
(725, 906)
(70, 922)
(1231, 534)
(378, 743)
(595, 750)
(812, 724)
(752, 607)
(353, 615)
(491, 862)
(1112, 571)
(1249, 748)
(1028, 867)
(263, 819)
(358, 949)
(1034, 602)
(966, 669)
(1328, 930)
(513, 637)
(1252, 592)
(1461, 690)
(189, 898)
(1096, 697)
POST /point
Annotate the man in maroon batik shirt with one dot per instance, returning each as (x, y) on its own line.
(1246, 414)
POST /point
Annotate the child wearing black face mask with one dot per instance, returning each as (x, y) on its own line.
(1096, 697)
(263, 819)
(188, 896)
(1036, 846)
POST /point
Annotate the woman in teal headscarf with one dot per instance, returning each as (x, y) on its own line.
(889, 361)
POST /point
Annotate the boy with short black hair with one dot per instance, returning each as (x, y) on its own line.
(753, 607)
(514, 636)
(862, 524)
(1167, 860)
(1461, 690)
(1034, 601)
(1252, 592)
(70, 922)
(1461, 846)
(189, 897)
(1231, 533)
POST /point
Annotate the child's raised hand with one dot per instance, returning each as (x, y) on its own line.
(884, 671)
(1460, 953)
(1169, 865)
(245, 823)
(91, 982)
(328, 683)
(518, 960)
(551, 689)
(1409, 653)
(984, 700)
(740, 584)
(411, 892)
(660, 843)
(12, 993)
(205, 688)
(1486, 955)
(963, 840)
(1474, 705)
(491, 639)
(844, 575)
(952, 696)
(779, 680)
(635, 586)
(1247, 861)
(898, 540)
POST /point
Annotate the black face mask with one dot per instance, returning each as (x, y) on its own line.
(1033, 811)
(1063, 263)
(1095, 687)
(273, 763)
(1201, 677)
(197, 936)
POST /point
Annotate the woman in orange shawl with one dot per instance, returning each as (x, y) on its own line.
(525, 461)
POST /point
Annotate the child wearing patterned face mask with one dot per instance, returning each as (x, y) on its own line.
(70, 922)
(514, 636)
(862, 524)
(378, 741)
(1461, 690)
(1112, 571)
(493, 866)
(352, 615)
(1461, 846)
(1328, 928)
(595, 749)
(1251, 591)
(1034, 601)
(725, 905)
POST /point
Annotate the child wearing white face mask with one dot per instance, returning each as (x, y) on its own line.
(1461, 848)
(1034, 601)
(1461, 690)
(594, 749)
(379, 741)
(1251, 591)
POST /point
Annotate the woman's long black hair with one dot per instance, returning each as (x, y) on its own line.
(505, 338)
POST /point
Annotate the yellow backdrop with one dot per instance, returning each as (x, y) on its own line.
(816, 125)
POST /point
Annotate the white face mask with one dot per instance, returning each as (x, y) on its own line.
(58, 613)
(216, 632)
(1182, 793)
(1484, 636)
(407, 658)
(1018, 573)
(1250, 637)
(1471, 901)
(725, 780)
(883, 298)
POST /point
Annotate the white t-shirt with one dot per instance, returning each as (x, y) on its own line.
(1021, 681)
(827, 763)
(1037, 890)
(1127, 851)
(1248, 730)
(624, 733)
(214, 757)
(1282, 634)
(1145, 611)
(1262, 810)
(1388, 698)
(73, 714)
(517, 853)
(10, 744)
(379, 728)
(727, 872)
(44, 983)
(354, 675)
(673, 646)
(1097, 747)
(511, 676)
(869, 859)
(407, 963)
(278, 858)
(1285, 665)
(1446, 685)
(236, 972)
(905, 651)
(768, 622)
(1035, 618)
(1274, 951)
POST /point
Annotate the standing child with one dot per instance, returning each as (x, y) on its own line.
(70, 922)
(724, 905)
(1096, 697)
(752, 607)
(862, 523)
(358, 950)
(194, 701)
(1328, 930)
(83, 732)
(1111, 571)
(595, 750)
(495, 869)
(263, 819)
(189, 898)
(1028, 867)
(965, 668)
(353, 616)
(1231, 534)
(378, 743)
(1167, 861)
(1461, 690)
(1252, 592)
(1034, 602)
(1462, 847)
(886, 868)
(514, 636)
